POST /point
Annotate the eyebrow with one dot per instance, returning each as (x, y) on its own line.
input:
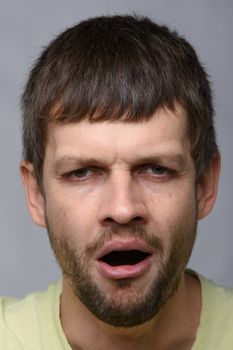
(172, 159)
(79, 161)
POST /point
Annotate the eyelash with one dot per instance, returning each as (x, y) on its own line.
(73, 173)
(157, 167)
(166, 172)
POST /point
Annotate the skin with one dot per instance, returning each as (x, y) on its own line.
(142, 173)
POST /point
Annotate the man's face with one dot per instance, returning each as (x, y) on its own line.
(120, 208)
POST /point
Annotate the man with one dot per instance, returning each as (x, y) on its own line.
(120, 162)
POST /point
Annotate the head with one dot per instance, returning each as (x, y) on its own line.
(112, 68)
(102, 89)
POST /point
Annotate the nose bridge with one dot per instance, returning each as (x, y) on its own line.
(123, 201)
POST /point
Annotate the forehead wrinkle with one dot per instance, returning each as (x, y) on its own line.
(165, 133)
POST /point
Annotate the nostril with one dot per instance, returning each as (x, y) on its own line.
(138, 219)
(111, 221)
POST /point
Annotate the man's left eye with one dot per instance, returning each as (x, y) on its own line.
(81, 173)
(159, 170)
(155, 170)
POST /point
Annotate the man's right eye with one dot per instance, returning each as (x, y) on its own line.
(84, 172)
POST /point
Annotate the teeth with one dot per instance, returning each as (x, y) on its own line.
(128, 257)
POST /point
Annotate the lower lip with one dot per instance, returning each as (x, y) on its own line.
(124, 271)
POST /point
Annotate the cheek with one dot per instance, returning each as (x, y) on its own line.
(173, 208)
(71, 217)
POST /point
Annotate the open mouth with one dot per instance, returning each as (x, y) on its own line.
(125, 257)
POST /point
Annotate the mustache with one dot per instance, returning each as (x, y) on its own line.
(129, 231)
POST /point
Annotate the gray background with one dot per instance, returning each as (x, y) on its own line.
(26, 262)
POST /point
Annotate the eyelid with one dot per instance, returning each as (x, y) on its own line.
(143, 168)
(147, 166)
(165, 170)
(72, 172)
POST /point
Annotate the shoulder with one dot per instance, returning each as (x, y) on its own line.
(14, 310)
(24, 319)
(216, 323)
(213, 294)
(219, 298)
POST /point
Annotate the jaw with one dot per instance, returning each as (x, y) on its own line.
(152, 330)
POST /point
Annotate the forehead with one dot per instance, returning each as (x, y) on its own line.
(165, 130)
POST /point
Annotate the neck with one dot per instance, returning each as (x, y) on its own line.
(84, 331)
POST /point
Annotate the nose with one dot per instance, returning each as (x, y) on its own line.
(123, 202)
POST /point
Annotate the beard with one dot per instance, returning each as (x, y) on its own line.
(126, 306)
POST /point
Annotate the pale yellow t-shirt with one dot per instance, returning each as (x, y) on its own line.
(34, 324)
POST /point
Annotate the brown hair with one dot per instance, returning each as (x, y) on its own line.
(114, 67)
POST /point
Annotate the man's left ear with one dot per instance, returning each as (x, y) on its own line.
(207, 187)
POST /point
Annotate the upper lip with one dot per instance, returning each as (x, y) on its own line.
(124, 245)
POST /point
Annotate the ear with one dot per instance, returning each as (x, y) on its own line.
(207, 186)
(34, 196)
